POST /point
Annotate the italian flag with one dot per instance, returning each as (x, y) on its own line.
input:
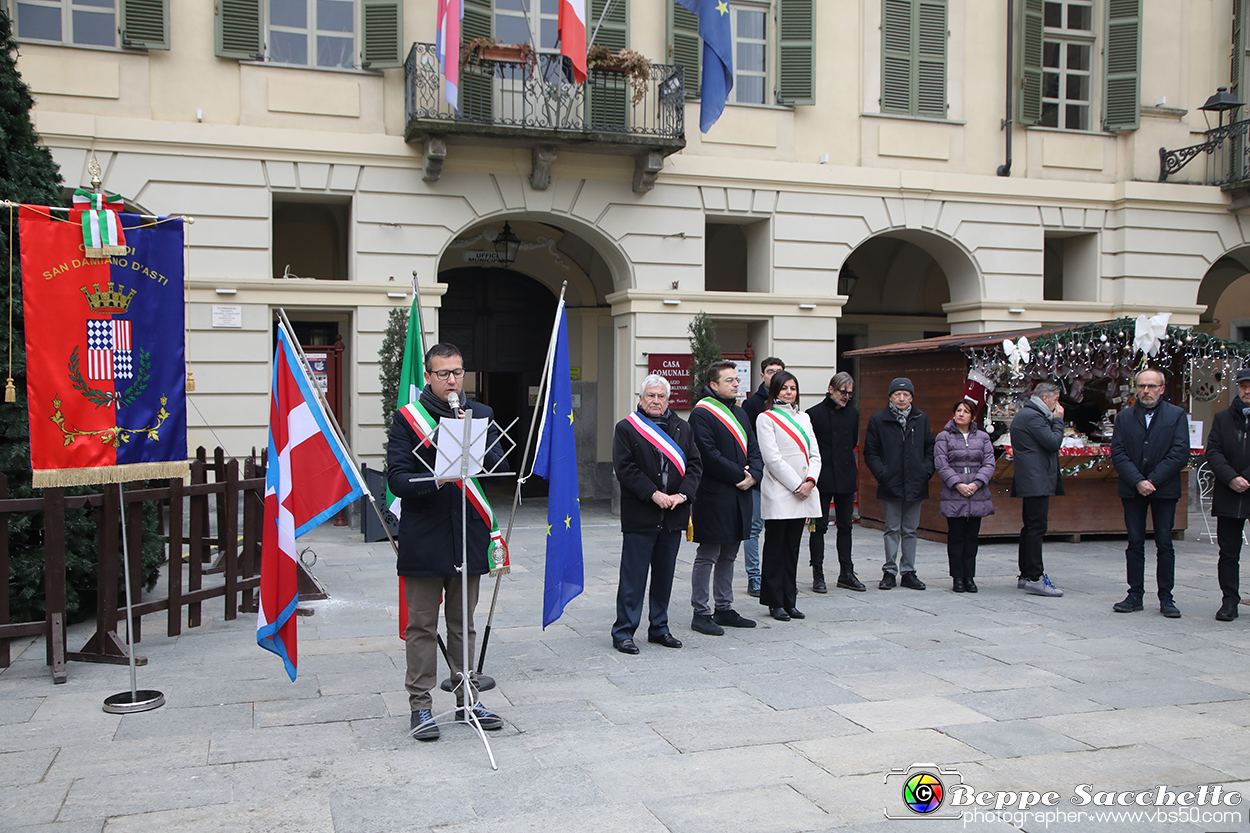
(572, 31)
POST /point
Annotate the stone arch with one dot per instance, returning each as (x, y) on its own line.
(897, 263)
(1229, 272)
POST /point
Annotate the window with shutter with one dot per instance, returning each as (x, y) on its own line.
(913, 57)
(239, 31)
(145, 24)
(796, 51)
(1122, 87)
(609, 94)
(476, 100)
(1068, 47)
(684, 46)
(1031, 39)
(382, 34)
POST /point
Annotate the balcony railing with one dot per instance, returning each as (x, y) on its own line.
(1227, 151)
(540, 100)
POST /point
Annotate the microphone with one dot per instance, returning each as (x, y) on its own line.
(453, 399)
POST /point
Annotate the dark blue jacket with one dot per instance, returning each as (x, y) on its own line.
(900, 458)
(641, 471)
(1156, 454)
(722, 511)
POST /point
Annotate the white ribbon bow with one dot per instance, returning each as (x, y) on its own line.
(1151, 332)
(1017, 353)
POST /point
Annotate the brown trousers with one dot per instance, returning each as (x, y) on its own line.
(421, 641)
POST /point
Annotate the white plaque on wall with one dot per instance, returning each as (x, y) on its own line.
(227, 315)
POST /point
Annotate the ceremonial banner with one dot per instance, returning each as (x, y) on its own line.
(105, 351)
(309, 479)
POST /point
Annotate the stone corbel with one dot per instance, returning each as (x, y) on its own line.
(647, 166)
(432, 161)
(542, 158)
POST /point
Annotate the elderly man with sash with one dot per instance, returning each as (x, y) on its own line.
(722, 507)
(430, 539)
(658, 466)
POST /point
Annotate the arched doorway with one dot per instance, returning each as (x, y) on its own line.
(501, 320)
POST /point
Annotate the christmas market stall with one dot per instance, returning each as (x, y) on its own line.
(1094, 365)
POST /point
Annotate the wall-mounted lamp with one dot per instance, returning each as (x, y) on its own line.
(397, 295)
(227, 291)
(507, 245)
(671, 302)
(1016, 311)
(807, 306)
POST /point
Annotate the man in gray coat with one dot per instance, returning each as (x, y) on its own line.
(1036, 435)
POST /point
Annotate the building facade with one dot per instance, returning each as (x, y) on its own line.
(884, 170)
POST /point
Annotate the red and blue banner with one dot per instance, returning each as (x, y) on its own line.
(309, 479)
(105, 350)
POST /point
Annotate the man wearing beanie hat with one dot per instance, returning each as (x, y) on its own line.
(898, 450)
(1229, 455)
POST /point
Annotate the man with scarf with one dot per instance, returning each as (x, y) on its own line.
(1228, 452)
(658, 466)
(753, 406)
(722, 507)
(898, 450)
(430, 540)
(1149, 448)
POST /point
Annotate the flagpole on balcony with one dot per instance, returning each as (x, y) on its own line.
(599, 24)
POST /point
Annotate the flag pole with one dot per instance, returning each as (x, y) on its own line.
(598, 25)
(544, 387)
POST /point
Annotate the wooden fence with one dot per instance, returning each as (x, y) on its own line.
(216, 486)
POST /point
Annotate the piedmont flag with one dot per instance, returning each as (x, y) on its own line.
(309, 479)
(447, 47)
(718, 75)
(411, 383)
(572, 33)
(556, 462)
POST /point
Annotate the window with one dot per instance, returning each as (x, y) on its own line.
(913, 64)
(1067, 50)
(750, 45)
(318, 32)
(322, 33)
(82, 22)
(514, 25)
(310, 238)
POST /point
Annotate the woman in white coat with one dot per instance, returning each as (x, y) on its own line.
(788, 492)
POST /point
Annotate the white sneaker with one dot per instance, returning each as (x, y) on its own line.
(1042, 587)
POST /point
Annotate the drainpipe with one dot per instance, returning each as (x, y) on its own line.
(1005, 168)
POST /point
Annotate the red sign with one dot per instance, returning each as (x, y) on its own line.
(675, 367)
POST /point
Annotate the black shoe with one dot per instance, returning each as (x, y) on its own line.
(970, 586)
(753, 587)
(665, 639)
(779, 613)
(1169, 609)
(887, 581)
(625, 646)
(818, 581)
(703, 624)
(422, 726)
(488, 720)
(1227, 611)
(732, 619)
(957, 584)
(1130, 604)
(849, 581)
(910, 581)
(795, 613)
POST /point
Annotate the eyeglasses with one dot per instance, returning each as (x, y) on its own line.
(443, 374)
(847, 394)
(1149, 387)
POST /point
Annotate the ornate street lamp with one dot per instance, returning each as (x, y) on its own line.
(507, 245)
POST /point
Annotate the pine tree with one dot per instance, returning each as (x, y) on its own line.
(705, 350)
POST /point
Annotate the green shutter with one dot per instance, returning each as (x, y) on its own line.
(1122, 89)
(796, 52)
(382, 44)
(145, 24)
(1237, 68)
(1030, 109)
(896, 56)
(238, 29)
(931, 36)
(476, 81)
(609, 92)
(613, 33)
(684, 46)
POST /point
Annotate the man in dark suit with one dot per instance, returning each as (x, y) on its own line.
(835, 422)
(1228, 452)
(722, 507)
(430, 538)
(1149, 448)
(1036, 437)
(658, 466)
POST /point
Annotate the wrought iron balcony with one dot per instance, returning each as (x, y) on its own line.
(537, 104)
(1227, 151)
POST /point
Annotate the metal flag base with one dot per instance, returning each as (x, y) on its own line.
(128, 702)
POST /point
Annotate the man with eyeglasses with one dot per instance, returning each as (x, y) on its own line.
(1149, 448)
(835, 422)
(430, 540)
(753, 406)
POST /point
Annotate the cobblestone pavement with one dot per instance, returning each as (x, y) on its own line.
(785, 727)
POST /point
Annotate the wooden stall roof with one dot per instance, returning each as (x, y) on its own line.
(957, 342)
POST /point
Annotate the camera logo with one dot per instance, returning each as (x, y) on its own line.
(923, 789)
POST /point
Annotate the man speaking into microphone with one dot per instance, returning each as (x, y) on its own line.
(430, 540)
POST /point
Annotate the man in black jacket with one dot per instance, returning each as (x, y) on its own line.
(753, 406)
(1036, 437)
(722, 508)
(1228, 453)
(430, 541)
(658, 466)
(1149, 448)
(898, 450)
(835, 422)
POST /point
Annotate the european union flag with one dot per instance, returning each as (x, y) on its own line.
(718, 58)
(556, 462)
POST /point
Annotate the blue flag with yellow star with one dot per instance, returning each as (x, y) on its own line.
(717, 78)
(556, 462)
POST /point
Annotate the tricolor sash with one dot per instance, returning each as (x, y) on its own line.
(424, 425)
(663, 443)
(102, 234)
(727, 418)
(792, 427)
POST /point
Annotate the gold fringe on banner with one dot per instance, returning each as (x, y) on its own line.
(190, 387)
(103, 252)
(10, 391)
(501, 571)
(50, 478)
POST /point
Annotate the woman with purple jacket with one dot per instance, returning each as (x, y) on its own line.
(964, 458)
